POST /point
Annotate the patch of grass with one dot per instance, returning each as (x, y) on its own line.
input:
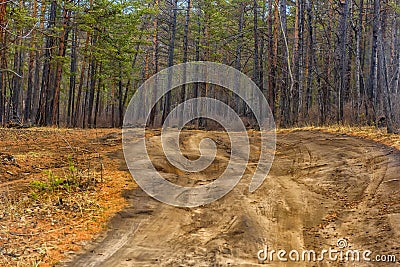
(73, 180)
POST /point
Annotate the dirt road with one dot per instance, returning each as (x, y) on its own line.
(321, 188)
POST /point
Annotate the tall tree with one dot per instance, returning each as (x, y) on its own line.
(44, 113)
(342, 58)
(256, 67)
(31, 70)
(171, 52)
(59, 68)
(373, 75)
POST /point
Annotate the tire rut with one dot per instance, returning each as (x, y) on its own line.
(321, 187)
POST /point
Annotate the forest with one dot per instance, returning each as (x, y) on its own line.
(76, 63)
(82, 185)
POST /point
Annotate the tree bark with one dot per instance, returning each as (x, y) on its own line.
(31, 71)
(373, 76)
(185, 55)
(171, 52)
(72, 78)
(311, 54)
(358, 61)
(342, 59)
(256, 66)
(92, 87)
(61, 55)
(46, 98)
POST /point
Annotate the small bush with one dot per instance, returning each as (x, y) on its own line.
(71, 181)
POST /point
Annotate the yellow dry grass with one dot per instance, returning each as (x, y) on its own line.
(39, 227)
(367, 132)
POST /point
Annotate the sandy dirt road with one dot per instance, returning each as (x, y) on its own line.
(321, 188)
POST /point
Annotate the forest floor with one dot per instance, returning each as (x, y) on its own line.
(60, 187)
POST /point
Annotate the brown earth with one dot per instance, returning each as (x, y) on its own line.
(322, 188)
(48, 211)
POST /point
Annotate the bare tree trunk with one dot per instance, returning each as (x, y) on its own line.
(239, 46)
(87, 93)
(256, 67)
(358, 60)
(197, 58)
(155, 64)
(17, 81)
(397, 72)
(262, 47)
(373, 76)
(31, 65)
(185, 54)
(171, 48)
(273, 43)
(286, 70)
(113, 105)
(311, 55)
(343, 59)
(38, 66)
(3, 62)
(99, 85)
(238, 56)
(120, 98)
(46, 98)
(92, 87)
(387, 105)
(72, 78)
(61, 54)
(298, 60)
(77, 113)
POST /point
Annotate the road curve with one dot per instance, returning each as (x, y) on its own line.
(321, 188)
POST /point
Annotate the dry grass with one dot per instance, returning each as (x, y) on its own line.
(58, 189)
(370, 133)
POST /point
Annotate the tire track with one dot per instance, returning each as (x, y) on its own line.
(321, 188)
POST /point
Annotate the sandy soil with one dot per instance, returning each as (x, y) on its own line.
(321, 188)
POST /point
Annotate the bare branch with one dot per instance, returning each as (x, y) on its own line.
(16, 74)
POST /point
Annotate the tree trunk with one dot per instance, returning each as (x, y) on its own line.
(92, 87)
(120, 98)
(387, 105)
(185, 55)
(38, 66)
(17, 81)
(155, 64)
(61, 55)
(358, 61)
(273, 43)
(256, 67)
(171, 50)
(72, 78)
(262, 47)
(113, 105)
(297, 60)
(373, 76)
(311, 55)
(343, 59)
(99, 85)
(77, 113)
(43, 116)
(31, 71)
(197, 58)
(285, 88)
